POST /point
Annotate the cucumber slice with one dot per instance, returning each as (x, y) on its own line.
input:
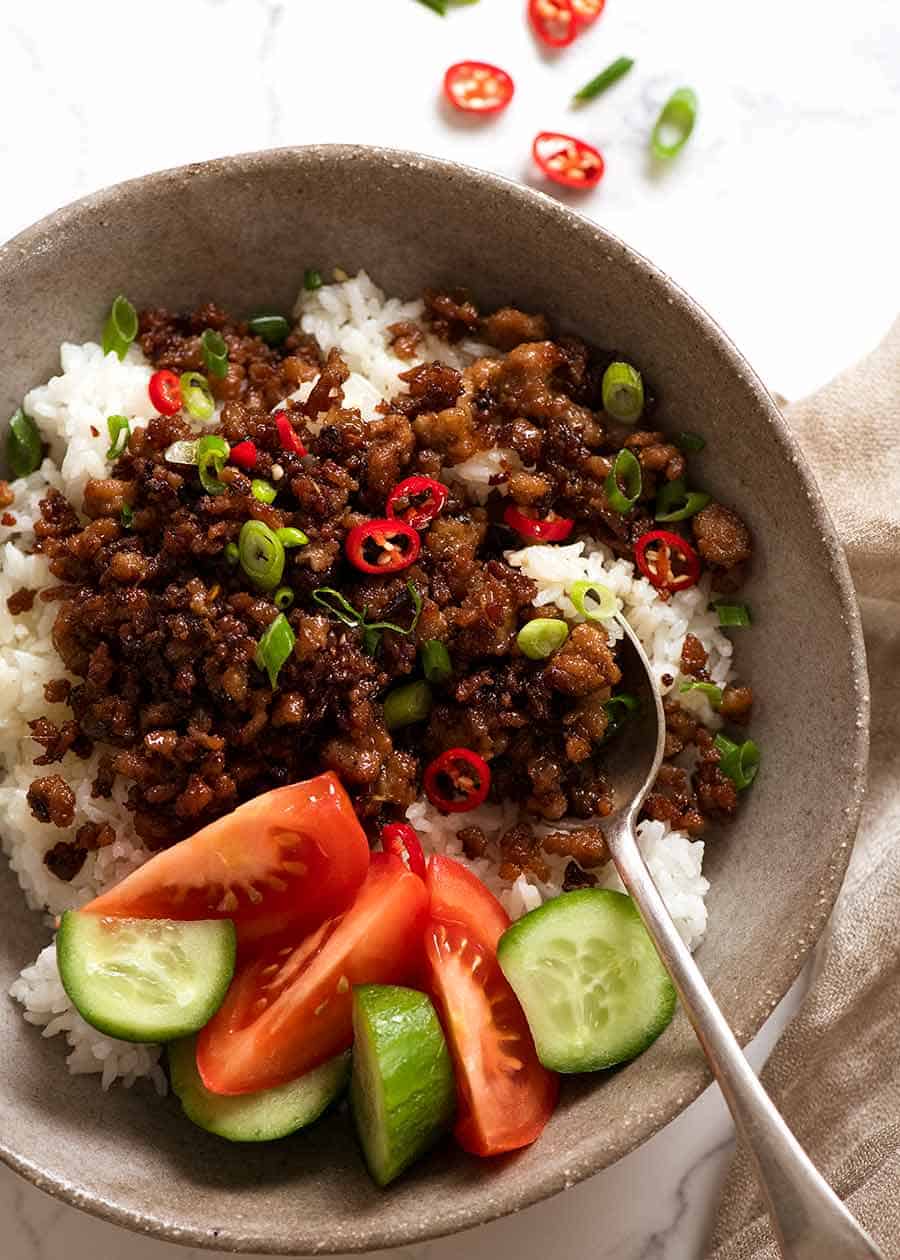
(402, 1090)
(145, 979)
(590, 982)
(262, 1117)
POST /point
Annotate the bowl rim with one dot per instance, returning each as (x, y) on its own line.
(33, 240)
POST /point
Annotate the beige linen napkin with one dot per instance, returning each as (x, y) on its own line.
(835, 1073)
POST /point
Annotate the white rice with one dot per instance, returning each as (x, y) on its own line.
(71, 412)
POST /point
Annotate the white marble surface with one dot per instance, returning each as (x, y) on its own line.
(780, 217)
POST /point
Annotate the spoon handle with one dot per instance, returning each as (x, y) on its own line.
(809, 1220)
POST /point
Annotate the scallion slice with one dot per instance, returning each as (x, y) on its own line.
(262, 491)
(675, 502)
(23, 445)
(603, 602)
(197, 396)
(436, 663)
(733, 614)
(119, 430)
(215, 353)
(710, 690)
(121, 327)
(335, 603)
(675, 123)
(232, 553)
(275, 647)
(624, 482)
(312, 279)
(288, 536)
(407, 704)
(690, 442)
(283, 598)
(261, 555)
(127, 516)
(622, 390)
(272, 329)
(541, 637)
(606, 78)
(181, 453)
(618, 710)
(739, 762)
(212, 452)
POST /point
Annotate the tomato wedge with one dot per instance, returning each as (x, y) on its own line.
(505, 1096)
(288, 858)
(290, 1009)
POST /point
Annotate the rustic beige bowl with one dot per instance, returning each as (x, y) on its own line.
(241, 231)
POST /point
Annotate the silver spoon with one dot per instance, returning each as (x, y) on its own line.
(809, 1220)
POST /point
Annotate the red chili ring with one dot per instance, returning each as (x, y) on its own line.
(290, 441)
(412, 487)
(553, 21)
(391, 557)
(567, 160)
(477, 87)
(663, 577)
(244, 454)
(401, 840)
(458, 766)
(535, 530)
(164, 389)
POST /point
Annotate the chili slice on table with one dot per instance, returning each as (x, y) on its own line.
(457, 781)
(553, 21)
(401, 840)
(164, 389)
(290, 441)
(477, 87)
(244, 454)
(567, 160)
(658, 567)
(382, 546)
(403, 501)
(586, 12)
(551, 529)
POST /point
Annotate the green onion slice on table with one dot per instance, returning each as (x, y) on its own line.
(615, 71)
(674, 125)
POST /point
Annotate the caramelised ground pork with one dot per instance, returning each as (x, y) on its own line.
(161, 627)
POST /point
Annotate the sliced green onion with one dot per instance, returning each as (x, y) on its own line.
(212, 452)
(606, 78)
(262, 491)
(119, 432)
(733, 614)
(739, 762)
(691, 442)
(600, 595)
(261, 555)
(436, 663)
(197, 396)
(288, 536)
(232, 553)
(23, 445)
(674, 124)
(272, 329)
(541, 637)
(121, 327)
(127, 516)
(624, 482)
(623, 392)
(312, 279)
(442, 6)
(407, 704)
(710, 690)
(416, 601)
(275, 647)
(334, 602)
(619, 709)
(215, 353)
(283, 597)
(675, 502)
(181, 452)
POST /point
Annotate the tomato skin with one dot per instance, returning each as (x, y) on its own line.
(290, 1008)
(287, 859)
(505, 1096)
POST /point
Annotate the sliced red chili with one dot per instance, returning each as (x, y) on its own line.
(456, 781)
(401, 840)
(658, 566)
(586, 12)
(165, 392)
(403, 501)
(567, 160)
(551, 529)
(290, 441)
(477, 87)
(382, 546)
(244, 455)
(553, 22)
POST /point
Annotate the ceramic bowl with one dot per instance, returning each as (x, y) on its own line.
(241, 231)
